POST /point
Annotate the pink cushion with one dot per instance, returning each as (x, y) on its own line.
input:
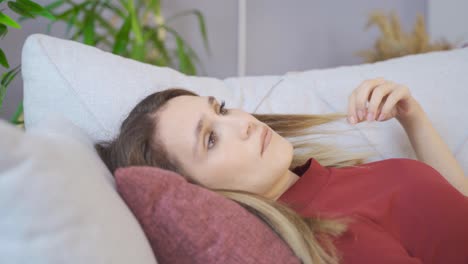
(186, 223)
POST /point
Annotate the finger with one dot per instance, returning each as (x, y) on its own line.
(378, 94)
(379, 110)
(362, 94)
(352, 116)
(388, 108)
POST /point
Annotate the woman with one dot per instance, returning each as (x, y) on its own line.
(325, 204)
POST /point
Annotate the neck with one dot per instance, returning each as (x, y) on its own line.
(283, 185)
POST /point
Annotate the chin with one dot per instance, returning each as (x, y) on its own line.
(285, 153)
(290, 154)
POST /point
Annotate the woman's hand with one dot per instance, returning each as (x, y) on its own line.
(385, 100)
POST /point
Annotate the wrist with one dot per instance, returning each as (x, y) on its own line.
(414, 112)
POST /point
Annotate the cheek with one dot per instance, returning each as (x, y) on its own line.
(224, 171)
(216, 179)
(236, 156)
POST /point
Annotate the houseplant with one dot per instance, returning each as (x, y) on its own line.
(131, 28)
(26, 8)
(394, 42)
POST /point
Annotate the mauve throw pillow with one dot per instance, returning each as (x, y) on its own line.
(186, 223)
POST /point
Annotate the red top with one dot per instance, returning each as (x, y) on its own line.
(404, 211)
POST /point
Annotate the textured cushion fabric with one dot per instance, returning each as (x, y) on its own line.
(58, 203)
(186, 223)
(97, 89)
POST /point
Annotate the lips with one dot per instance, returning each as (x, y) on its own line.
(265, 138)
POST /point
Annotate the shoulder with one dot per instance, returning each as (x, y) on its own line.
(410, 170)
(405, 176)
(413, 203)
(405, 168)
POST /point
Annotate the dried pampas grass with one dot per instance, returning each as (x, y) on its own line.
(395, 43)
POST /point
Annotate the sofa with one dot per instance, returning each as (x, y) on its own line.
(59, 202)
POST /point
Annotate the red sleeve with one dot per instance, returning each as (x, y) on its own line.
(433, 217)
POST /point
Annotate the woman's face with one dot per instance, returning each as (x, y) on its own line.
(221, 148)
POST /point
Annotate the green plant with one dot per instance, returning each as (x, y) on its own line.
(26, 8)
(131, 28)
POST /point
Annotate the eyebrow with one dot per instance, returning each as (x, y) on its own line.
(201, 126)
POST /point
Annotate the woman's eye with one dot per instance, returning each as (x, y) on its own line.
(211, 140)
(212, 137)
(223, 110)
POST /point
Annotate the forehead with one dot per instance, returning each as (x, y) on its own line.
(187, 101)
(182, 111)
(177, 123)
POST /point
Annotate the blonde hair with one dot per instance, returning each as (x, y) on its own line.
(310, 238)
(299, 232)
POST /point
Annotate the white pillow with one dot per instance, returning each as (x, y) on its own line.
(57, 201)
(97, 89)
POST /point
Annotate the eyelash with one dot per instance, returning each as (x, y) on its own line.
(223, 110)
(213, 137)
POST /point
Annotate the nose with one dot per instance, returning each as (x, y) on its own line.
(239, 124)
(248, 128)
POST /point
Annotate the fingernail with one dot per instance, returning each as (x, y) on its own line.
(381, 116)
(360, 114)
(352, 120)
(370, 116)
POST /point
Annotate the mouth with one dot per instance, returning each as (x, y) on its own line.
(265, 138)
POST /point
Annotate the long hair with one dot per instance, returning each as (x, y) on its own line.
(310, 238)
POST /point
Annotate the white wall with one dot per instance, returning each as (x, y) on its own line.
(281, 35)
(448, 19)
(284, 36)
(301, 35)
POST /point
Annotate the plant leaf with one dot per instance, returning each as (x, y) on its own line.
(189, 66)
(201, 24)
(136, 28)
(161, 47)
(49, 26)
(116, 10)
(185, 64)
(3, 30)
(69, 11)
(155, 5)
(138, 51)
(7, 77)
(181, 53)
(138, 48)
(5, 19)
(88, 29)
(35, 8)
(101, 38)
(3, 59)
(18, 115)
(20, 9)
(72, 21)
(3, 89)
(52, 6)
(102, 21)
(194, 55)
(30, 5)
(77, 34)
(121, 40)
(5, 81)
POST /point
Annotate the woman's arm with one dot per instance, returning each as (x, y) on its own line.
(431, 149)
(386, 100)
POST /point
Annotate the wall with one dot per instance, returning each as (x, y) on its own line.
(281, 36)
(447, 19)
